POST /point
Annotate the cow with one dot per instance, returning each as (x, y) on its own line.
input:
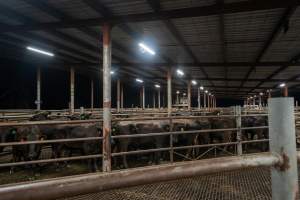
(87, 147)
(130, 128)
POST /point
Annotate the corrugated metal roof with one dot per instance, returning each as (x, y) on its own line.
(245, 34)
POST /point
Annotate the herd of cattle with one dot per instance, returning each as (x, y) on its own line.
(29, 152)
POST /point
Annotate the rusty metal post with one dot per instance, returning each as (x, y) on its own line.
(118, 95)
(285, 91)
(38, 89)
(171, 142)
(283, 143)
(259, 101)
(154, 106)
(169, 80)
(122, 96)
(158, 97)
(143, 97)
(204, 100)
(72, 90)
(208, 102)
(189, 95)
(106, 97)
(92, 95)
(238, 117)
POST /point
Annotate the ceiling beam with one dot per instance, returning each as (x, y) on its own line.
(202, 64)
(276, 72)
(155, 5)
(277, 29)
(229, 8)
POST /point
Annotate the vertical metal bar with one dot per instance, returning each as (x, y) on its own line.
(122, 96)
(189, 95)
(158, 98)
(208, 105)
(72, 90)
(118, 95)
(169, 80)
(171, 142)
(198, 98)
(204, 100)
(283, 142)
(143, 96)
(238, 117)
(38, 89)
(92, 95)
(285, 91)
(106, 97)
(154, 106)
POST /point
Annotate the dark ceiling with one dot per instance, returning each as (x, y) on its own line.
(233, 47)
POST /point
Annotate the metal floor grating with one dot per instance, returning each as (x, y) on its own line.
(241, 185)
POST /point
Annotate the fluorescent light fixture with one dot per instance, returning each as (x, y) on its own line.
(194, 82)
(180, 72)
(177, 92)
(251, 97)
(146, 48)
(206, 91)
(157, 86)
(261, 94)
(201, 88)
(184, 94)
(282, 85)
(40, 51)
(139, 80)
(112, 72)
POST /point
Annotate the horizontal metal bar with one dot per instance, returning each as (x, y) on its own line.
(172, 133)
(13, 164)
(50, 141)
(205, 145)
(83, 184)
(255, 141)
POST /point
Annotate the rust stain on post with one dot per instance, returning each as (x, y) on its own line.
(107, 104)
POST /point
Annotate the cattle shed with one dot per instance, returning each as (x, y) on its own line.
(149, 99)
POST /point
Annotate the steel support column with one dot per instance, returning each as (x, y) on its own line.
(122, 96)
(106, 97)
(92, 95)
(238, 113)
(38, 89)
(158, 97)
(169, 80)
(285, 91)
(283, 142)
(154, 106)
(204, 99)
(118, 95)
(189, 95)
(208, 101)
(143, 97)
(72, 90)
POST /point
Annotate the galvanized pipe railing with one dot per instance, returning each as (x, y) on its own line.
(83, 184)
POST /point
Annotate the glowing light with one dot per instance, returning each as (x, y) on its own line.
(206, 91)
(201, 88)
(157, 86)
(112, 72)
(40, 51)
(194, 82)
(146, 48)
(180, 72)
(177, 92)
(139, 80)
(282, 85)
